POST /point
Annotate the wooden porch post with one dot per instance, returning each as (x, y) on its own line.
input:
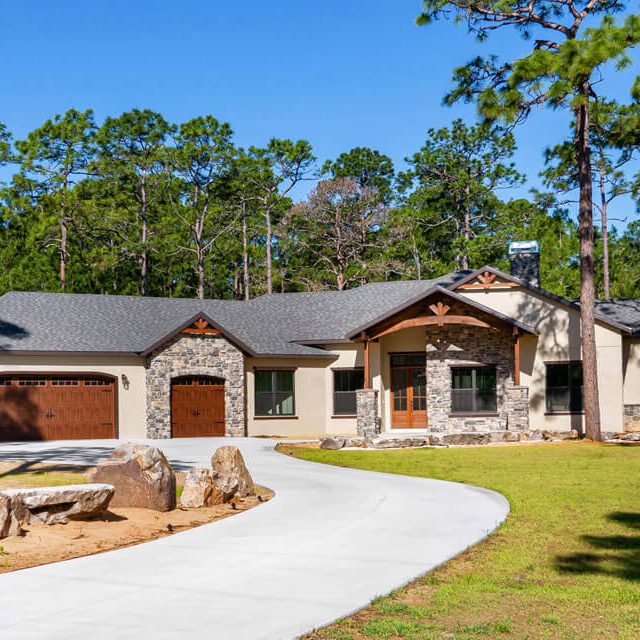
(516, 358)
(367, 368)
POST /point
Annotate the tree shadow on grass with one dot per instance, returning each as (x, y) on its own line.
(617, 556)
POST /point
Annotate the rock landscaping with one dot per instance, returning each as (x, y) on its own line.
(203, 489)
(58, 505)
(445, 439)
(141, 475)
(228, 466)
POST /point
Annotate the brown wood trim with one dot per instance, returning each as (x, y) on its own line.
(346, 368)
(275, 417)
(493, 285)
(275, 368)
(516, 357)
(367, 366)
(214, 332)
(337, 416)
(562, 361)
(440, 320)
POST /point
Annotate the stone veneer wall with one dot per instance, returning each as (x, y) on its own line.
(199, 355)
(468, 345)
(368, 422)
(631, 417)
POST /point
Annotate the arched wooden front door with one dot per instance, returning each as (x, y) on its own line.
(197, 407)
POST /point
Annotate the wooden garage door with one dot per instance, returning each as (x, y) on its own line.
(56, 407)
(197, 407)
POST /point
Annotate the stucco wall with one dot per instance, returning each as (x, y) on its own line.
(558, 340)
(132, 403)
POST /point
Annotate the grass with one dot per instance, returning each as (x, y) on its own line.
(564, 566)
(42, 478)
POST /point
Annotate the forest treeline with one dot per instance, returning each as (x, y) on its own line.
(140, 206)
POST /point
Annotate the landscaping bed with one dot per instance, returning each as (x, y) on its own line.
(564, 566)
(118, 527)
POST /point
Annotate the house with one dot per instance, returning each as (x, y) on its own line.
(476, 350)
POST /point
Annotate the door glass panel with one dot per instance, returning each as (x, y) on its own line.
(399, 384)
(419, 382)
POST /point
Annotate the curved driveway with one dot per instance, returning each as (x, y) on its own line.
(329, 542)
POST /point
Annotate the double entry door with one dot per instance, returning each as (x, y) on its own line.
(408, 391)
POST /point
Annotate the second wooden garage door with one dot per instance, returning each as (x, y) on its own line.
(197, 407)
(56, 407)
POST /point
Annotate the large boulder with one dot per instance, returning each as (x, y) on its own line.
(141, 475)
(227, 462)
(202, 489)
(58, 505)
(9, 525)
(332, 443)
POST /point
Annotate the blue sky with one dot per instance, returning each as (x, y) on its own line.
(337, 73)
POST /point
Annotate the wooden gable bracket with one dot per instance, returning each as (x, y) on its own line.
(487, 281)
(201, 327)
(440, 310)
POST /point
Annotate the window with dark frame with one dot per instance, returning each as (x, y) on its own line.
(345, 384)
(473, 389)
(274, 393)
(564, 387)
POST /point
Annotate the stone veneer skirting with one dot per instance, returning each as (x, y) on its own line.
(468, 345)
(199, 355)
(631, 417)
(368, 422)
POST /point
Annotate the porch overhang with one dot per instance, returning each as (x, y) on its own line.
(439, 307)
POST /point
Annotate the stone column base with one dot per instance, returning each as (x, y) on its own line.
(368, 423)
(517, 408)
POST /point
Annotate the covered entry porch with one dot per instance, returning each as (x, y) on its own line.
(443, 363)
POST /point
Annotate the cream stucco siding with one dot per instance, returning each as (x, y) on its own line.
(131, 400)
(310, 402)
(558, 339)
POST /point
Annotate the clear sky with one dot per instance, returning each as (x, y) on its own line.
(339, 73)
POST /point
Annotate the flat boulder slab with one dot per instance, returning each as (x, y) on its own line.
(9, 525)
(58, 505)
(227, 462)
(333, 443)
(141, 475)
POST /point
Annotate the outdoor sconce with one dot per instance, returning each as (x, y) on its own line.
(125, 381)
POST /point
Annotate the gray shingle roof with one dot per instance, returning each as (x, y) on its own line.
(269, 325)
(288, 324)
(625, 311)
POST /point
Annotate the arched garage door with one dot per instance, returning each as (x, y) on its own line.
(57, 407)
(197, 407)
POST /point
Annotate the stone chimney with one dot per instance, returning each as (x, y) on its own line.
(524, 257)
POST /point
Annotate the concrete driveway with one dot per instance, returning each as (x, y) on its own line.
(329, 542)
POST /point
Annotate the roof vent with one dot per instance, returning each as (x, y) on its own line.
(524, 257)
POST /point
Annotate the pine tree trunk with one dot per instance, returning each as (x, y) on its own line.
(269, 259)
(587, 290)
(143, 238)
(63, 252)
(605, 238)
(245, 253)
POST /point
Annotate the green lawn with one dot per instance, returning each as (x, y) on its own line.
(565, 565)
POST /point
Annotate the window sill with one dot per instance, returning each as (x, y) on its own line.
(275, 417)
(564, 413)
(343, 415)
(474, 414)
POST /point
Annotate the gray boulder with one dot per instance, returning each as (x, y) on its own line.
(9, 525)
(58, 505)
(227, 462)
(333, 443)
(141, 475)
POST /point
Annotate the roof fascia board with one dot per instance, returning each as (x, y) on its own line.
(542, 292)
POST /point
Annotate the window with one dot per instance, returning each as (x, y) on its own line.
(564, 387)
(409, 360)
(473, 390)
(345, 384)
(274, 393)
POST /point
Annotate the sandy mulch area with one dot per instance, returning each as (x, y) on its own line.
(116, 528)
